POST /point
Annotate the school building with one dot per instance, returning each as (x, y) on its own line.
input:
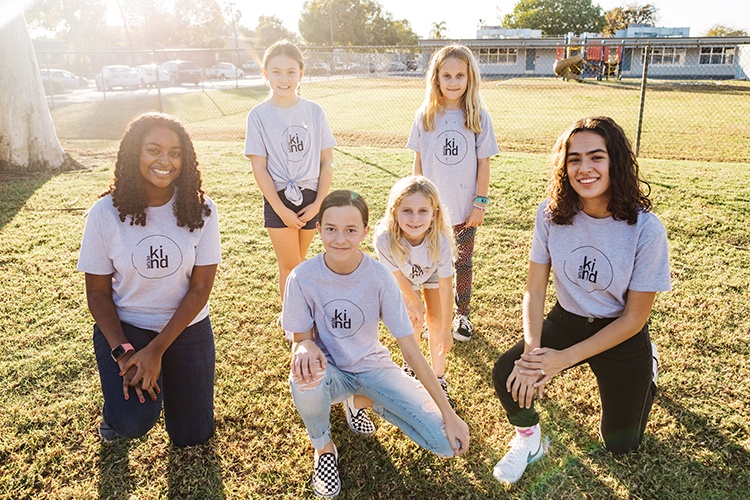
(504, 53)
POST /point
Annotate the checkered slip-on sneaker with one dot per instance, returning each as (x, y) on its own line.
(358, 419)
(407, 369)
(325, 479)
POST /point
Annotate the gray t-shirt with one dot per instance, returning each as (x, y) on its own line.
(418, 266)
(150, 265)
(291, 139)
(449, 156)
(345, 310)
(596, 261)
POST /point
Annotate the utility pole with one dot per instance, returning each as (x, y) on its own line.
(236, 47)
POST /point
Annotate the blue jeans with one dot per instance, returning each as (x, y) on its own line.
(398, 398)
(186, 382)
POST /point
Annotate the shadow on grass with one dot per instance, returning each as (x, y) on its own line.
(393, 174)
(195, 472)
(115, 477)
(15, 191)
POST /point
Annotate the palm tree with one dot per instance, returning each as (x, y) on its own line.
(438, 30)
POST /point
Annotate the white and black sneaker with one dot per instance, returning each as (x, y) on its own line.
(444, 386)
(407, 369)
(463, 330)
(107, 433)
(524, 450)
(325, 479)
(655, 364)
(358, 419)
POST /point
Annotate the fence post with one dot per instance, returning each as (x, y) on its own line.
(157, 69)
(644, 78)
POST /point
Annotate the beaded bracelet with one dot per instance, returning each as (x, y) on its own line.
(480, 207)
(482, 200)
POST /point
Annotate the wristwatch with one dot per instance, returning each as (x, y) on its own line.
(120, 351)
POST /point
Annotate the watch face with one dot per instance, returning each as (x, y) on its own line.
(118, 352)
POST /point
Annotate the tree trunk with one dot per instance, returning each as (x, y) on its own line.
(28, 141)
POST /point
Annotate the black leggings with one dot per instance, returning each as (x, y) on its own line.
(623, 374)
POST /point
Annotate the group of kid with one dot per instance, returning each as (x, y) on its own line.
(148, 284)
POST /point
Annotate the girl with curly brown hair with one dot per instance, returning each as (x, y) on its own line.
(150, 251)
(608, 255)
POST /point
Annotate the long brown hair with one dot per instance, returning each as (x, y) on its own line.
(629, 192)
(127, 189)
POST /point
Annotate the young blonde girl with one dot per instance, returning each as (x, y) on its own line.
(334, 304)
(415, 242)
(453, 139)
(290, 145)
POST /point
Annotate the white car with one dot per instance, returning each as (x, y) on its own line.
(117, 75)
(223, 71)
(57, 81)
(148, 74)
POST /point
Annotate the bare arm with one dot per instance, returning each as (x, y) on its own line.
(476, 217)
(267, 187)
(148, 359)
(324, 185)
(417, 168)
(455, 428)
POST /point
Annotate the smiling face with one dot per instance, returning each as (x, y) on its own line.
(414, 216)
(587, 166)
(160, 163)
(283, 74)
(453, 78)
(342, 231)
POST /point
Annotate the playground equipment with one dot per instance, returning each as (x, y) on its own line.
(587, 60)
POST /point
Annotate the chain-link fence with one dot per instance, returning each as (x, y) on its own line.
(676, 99)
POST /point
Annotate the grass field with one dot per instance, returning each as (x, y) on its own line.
(682, 120)
(697, 443)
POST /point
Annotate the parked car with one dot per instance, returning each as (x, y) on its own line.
(251, 67)
(149, 73)
(318, 68)
(224, 70)
(397, 66)
(57, 81)
(183, 72)
(117, 75)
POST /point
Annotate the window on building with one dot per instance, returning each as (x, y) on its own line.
(496, 55)
(717, 55)
(667, 56)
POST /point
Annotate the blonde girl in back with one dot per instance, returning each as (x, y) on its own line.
(415, 242)
(290, 145)
(453, 140)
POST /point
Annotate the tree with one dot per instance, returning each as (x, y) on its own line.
(270, 29)
(201, 24)
(28, 141)
(79, 22)
(620, 18)
(352, 22)
(556, 17)
(723, 30)
(438, 30)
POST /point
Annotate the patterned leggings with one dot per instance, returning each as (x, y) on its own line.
(463, 264)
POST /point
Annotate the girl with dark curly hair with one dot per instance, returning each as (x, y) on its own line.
(608, 254)
(150, 251)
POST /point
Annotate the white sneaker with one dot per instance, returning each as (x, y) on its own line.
(655, 366)
(523, 451)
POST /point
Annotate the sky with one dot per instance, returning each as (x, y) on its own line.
(462, 22)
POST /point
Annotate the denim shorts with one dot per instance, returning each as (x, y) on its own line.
(432, 282)
(272, 220)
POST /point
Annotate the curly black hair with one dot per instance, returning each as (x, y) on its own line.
(629, 192)
(127, 189)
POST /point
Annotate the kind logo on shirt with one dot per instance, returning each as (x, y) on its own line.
(450, 147)
(156, 257)
(343, 317)
(416, 271)
(589, 269)
(296, 142)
